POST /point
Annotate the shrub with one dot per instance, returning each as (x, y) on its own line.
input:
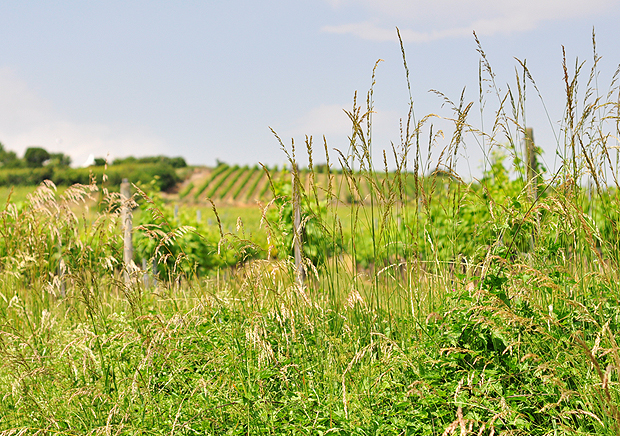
(318, 244)
(164, 175)
(174, 162)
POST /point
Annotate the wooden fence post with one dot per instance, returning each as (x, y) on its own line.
(61, 276)
(532, 177)
(532, 165)
(127, 226)
(297, 231)
(61, 268)
(154, 272)
(145, 273)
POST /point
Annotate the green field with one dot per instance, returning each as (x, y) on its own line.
(430, 305)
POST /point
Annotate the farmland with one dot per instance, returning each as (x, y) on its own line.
(430, 305)
(244, 186)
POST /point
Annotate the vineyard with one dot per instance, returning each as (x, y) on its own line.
(235, 185)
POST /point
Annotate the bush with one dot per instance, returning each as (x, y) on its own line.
(318, 244)
(184, 245)
(25, 176)
(174, 162)
(164, 175)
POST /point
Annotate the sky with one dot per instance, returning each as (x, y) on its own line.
(208, 80)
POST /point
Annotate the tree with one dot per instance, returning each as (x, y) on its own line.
(9, 159)
(59, 160)
(177, 162)
(36, 156)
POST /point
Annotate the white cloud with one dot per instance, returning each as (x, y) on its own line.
(27, 119)
(423, 21)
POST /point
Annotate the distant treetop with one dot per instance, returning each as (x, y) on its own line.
(175, 162)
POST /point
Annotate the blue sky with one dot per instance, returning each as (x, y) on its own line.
(207, 79)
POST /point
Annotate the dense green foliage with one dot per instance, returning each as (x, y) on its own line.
(34, 157)
(164, 175)
(9, 159)
(39, 165)
(184, 245)
(529, 349)
(203, 365)
(174, 162)
(317, 243)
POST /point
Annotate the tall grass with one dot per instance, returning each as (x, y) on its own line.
(431, 305)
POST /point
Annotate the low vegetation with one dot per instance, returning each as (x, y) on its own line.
(38, 165)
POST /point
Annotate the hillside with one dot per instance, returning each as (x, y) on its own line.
(244, 185)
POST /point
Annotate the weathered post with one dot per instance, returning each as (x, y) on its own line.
(297, 231)
(61, 268)
(198, 215)
(127, 226)
(145, 273)
(532, 176)
(530, 152)
(154, 270)
(590, 188)
(61, 276)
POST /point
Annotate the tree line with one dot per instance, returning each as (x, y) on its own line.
(38, 157)
(34, 157)
(38, 165)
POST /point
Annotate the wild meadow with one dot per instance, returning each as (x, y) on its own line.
(430, 304)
